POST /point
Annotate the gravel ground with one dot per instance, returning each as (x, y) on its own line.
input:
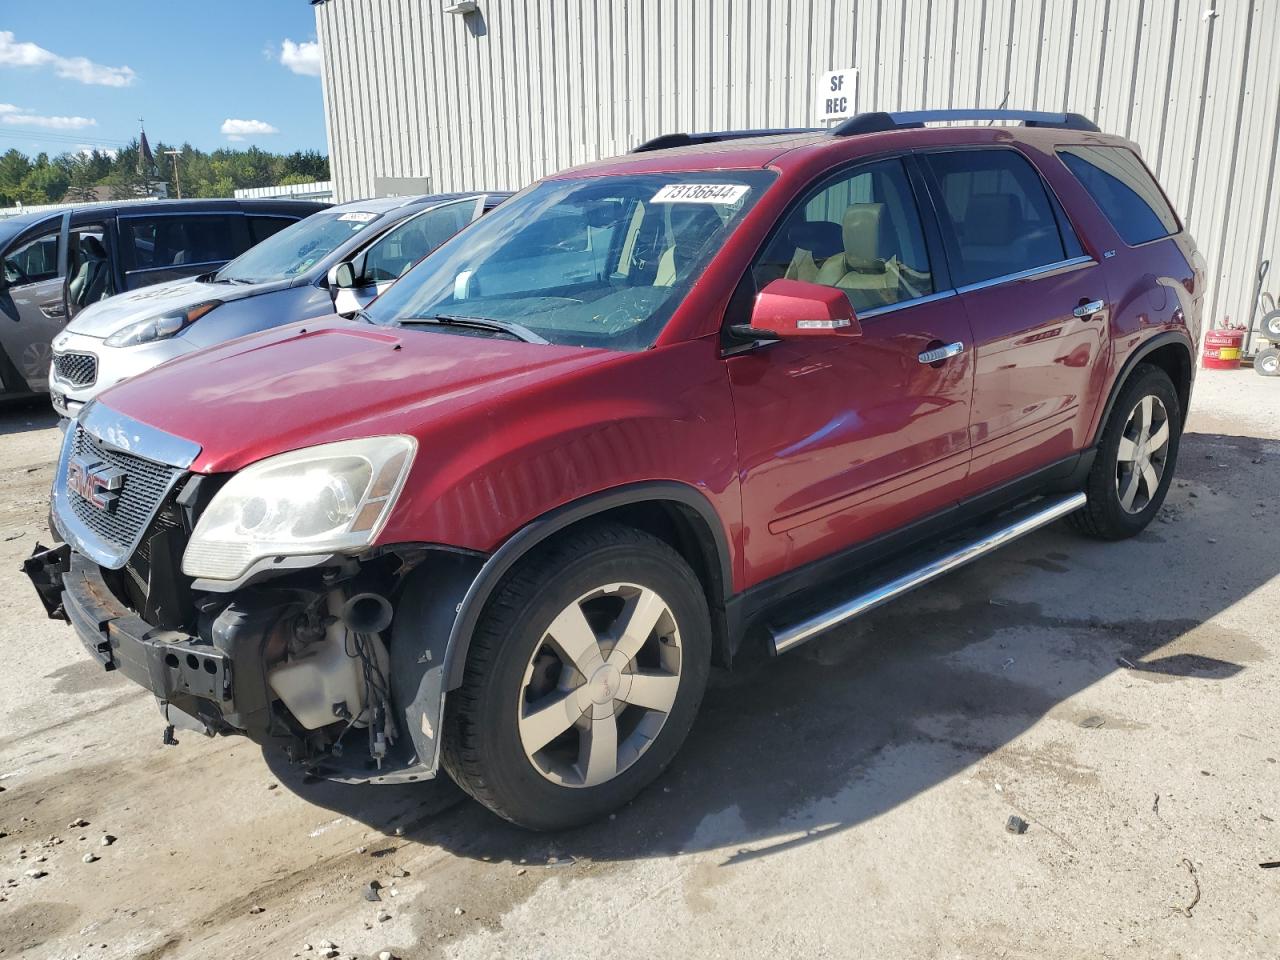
(850, 799)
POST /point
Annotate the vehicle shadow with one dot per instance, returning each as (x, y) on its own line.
(859, 722)
(24, 414)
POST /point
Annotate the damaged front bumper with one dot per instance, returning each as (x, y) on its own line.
(193, 681)
(214, 685)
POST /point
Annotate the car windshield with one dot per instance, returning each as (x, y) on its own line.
(600, 261)
(297, 248)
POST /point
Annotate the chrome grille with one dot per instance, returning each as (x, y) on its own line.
(77, 369)
(145, 486)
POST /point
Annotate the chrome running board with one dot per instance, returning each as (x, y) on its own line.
(1042, 514)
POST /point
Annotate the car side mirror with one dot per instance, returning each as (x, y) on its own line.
(342, 276)
(786, 309)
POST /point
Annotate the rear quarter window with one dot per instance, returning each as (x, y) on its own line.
(1125, 191)
(261, 226)
(180, 240)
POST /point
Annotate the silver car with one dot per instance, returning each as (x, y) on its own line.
(334, 261)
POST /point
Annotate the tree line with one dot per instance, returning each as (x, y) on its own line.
(75, 177)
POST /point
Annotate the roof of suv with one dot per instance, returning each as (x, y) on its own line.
(866, 133)
(143, 207)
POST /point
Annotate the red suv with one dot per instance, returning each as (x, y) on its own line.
(649, 416)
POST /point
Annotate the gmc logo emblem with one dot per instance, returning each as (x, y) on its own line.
(95, 483)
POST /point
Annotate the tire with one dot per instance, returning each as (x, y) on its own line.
(1115, 510)
(516, 667)
(1267, 362)
(1271, 325)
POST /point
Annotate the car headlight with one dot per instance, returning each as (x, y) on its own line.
(161, 326)
(331, 498)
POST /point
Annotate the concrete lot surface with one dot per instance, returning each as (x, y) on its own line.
(849, 800)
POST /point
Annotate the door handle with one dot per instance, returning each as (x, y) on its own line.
(53, 309)
(938, 354)
(1086, 310)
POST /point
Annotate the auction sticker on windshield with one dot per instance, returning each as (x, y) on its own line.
(701, 193)
(359, 217)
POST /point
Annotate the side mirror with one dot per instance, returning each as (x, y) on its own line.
(342, 276)
(785, 309)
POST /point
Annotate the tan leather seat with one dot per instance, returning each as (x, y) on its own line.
(870, 267)
(691, 226)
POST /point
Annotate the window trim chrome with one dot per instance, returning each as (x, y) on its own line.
(1028, 274)
(902, 304)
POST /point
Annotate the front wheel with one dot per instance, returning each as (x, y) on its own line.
(582, 679)
(1134, 463)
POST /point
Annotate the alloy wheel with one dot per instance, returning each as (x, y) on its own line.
(36, 359)
(1143, 454)
(600, 685)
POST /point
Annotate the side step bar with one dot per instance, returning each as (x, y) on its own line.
(1041, 514)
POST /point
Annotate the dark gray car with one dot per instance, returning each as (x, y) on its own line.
(56, 263)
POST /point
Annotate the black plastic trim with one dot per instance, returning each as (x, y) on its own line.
(1141, 351)
(668, 141)
(535, 532)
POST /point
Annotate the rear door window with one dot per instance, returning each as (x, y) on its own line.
(181, 240)
(1000, 217)
(1124, 189)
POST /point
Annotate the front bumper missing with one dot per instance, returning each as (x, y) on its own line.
(198, 685)
(194, 678)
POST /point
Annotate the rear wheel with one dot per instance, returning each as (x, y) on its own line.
(1135, 460)
(582, 680)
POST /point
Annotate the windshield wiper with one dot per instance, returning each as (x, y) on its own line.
(482, 323)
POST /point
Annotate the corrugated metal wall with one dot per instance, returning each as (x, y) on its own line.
(502, 96)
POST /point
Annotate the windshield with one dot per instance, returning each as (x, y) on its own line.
(297, 248)
(600, 261)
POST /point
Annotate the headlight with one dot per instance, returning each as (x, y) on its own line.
(160, 326)
(332, 498)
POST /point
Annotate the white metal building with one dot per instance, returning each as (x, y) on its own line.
(498, 96)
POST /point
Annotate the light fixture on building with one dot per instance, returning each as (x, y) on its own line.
(461, 7)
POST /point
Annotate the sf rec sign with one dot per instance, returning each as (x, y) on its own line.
(836, 94)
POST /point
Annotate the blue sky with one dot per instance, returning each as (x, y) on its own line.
(76, 73)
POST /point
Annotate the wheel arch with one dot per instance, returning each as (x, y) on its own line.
(1171, 352)
(677, 513)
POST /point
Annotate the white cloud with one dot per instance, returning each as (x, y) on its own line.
(15, 54)
(18, 117)
(239, 129)
(303, 58)
(85, 150)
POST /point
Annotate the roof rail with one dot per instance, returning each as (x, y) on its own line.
(909, 119)
(669, 140)
(877, 122)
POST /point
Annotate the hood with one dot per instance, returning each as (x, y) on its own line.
(105, 317)
(317, 381)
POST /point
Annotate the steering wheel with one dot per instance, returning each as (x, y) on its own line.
(14, 274)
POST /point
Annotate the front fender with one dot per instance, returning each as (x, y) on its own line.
(441, 601)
